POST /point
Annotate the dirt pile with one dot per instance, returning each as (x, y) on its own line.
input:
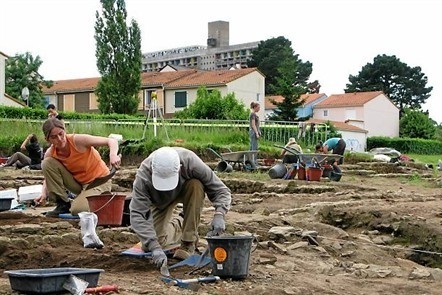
(377, 231)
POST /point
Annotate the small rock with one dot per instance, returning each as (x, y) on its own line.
(277, 247)
(419, 273)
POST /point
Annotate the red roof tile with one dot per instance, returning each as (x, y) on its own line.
(268, 101)
(73, 85)
(348, 99)
(309, 97)
(209, 78)
(161, 78)
(184, 78)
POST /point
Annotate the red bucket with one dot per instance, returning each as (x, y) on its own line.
(313, 174)
(301, 172)
(108, 207)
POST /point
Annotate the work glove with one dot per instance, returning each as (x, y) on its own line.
(159, 257)
(218, 225)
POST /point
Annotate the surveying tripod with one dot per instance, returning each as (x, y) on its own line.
(154, 112)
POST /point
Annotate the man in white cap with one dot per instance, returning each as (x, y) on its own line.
(172, 175)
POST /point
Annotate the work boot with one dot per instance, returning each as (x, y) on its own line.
(61, 208)
(185, 251)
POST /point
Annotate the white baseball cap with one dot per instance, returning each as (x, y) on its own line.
(165, 169)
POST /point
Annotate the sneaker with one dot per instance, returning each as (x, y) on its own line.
(61, 208)
(185, 251)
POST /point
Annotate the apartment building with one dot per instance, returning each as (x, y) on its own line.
(218, 54)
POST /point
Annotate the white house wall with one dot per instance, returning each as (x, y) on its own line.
(249, 88)
(338, 114)
(382, 117)
(355, 141)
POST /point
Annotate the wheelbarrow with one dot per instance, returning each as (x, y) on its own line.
(242, 160)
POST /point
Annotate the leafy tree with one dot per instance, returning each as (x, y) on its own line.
(22, 71)
(210, 105)
(118, 53)
(286, 110)
(404, 85)
(417, 124)
(286, 75)
(274, 53)
(314, 87)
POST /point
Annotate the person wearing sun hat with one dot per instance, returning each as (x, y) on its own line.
(172, 175)
(289, 157)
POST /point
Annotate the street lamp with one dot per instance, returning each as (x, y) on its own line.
(25, 94)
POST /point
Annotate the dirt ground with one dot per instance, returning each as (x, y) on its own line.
(377, 231)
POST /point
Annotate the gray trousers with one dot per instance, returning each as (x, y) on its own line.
(172, 229)
(59, 179)
(19, 159)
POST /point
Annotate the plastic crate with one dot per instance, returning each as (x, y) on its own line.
(30, 192)
(49, 280)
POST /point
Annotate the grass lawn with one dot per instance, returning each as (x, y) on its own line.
(426, 159)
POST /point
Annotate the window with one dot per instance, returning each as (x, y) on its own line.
(325, 113)
(180, 99)
(148, 97)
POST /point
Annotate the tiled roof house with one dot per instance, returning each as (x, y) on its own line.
(372, 111)
(175, 89)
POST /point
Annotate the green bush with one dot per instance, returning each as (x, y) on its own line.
(407, 145)
(42, 114)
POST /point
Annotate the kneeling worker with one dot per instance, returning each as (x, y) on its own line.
(172, 175)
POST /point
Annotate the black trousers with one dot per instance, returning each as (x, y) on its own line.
(340, 149)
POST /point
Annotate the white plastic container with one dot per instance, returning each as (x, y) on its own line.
(30, 192)
(10, 193)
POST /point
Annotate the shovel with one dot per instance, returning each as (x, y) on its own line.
(193, 260)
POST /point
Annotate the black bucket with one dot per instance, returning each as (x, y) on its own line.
(223, 166)
(126, 211)
(230, 256)
(278, 171)
(336, 174)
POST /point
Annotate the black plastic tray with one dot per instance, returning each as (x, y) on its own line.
(5, 203)
(49, 280)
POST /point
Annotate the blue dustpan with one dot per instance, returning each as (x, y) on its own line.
(192, 260)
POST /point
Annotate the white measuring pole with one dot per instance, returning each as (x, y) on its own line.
(154, 103)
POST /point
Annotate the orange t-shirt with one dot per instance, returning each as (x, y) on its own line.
(84, 167)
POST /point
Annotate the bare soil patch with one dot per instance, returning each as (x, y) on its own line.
(377, 231)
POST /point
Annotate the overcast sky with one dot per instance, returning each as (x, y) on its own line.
(338, 37)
